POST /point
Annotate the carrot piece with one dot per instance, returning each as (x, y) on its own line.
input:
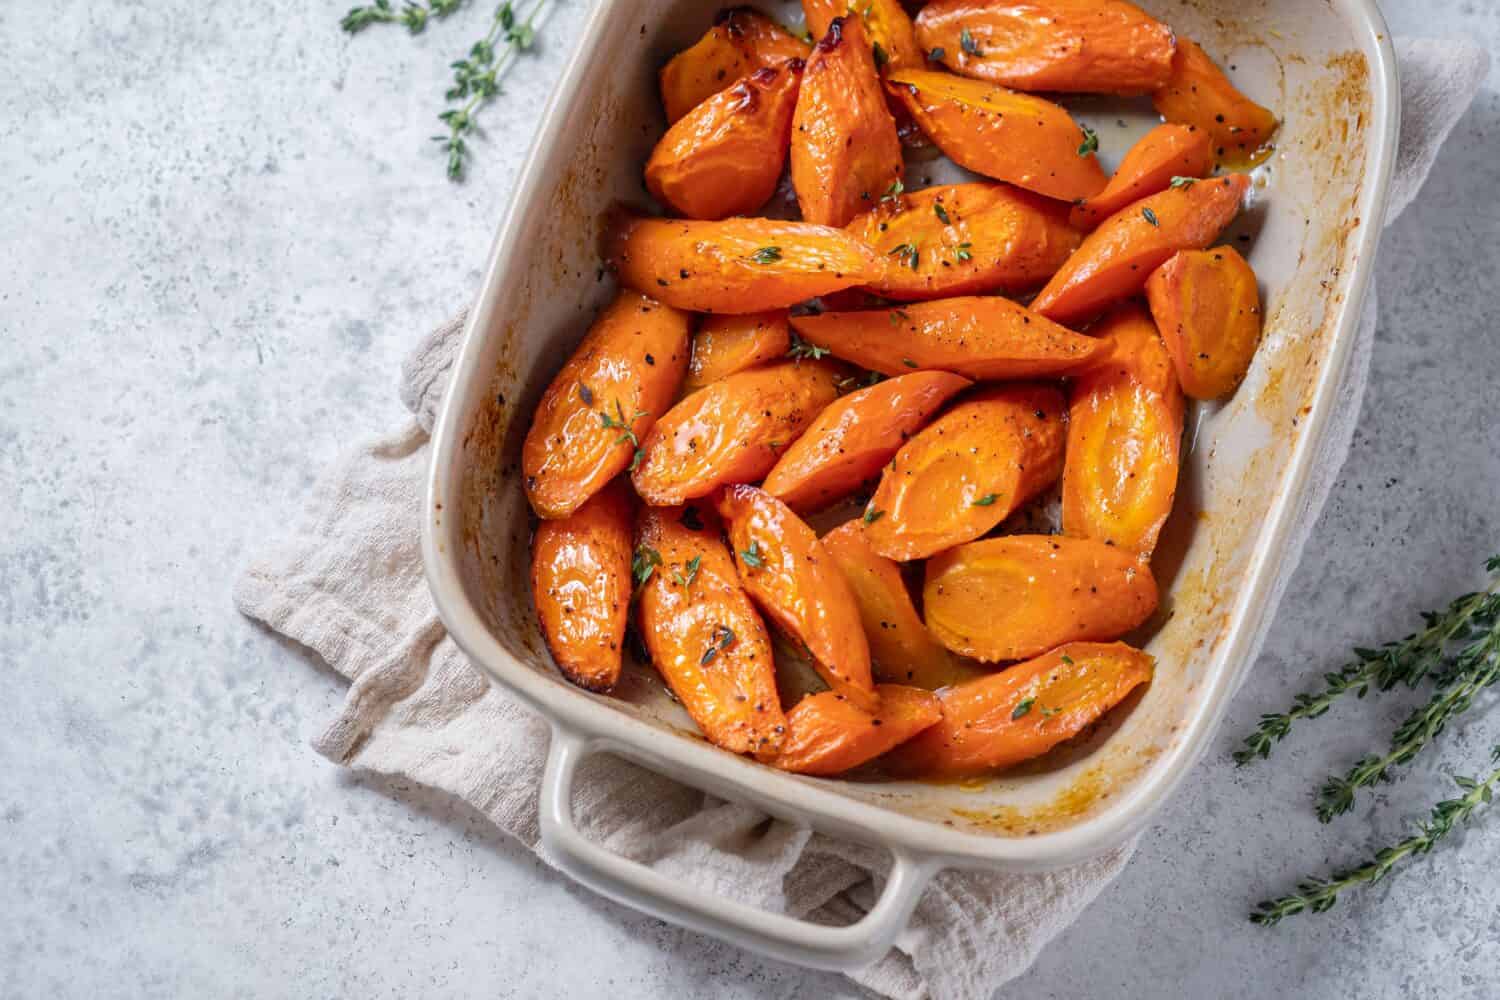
(731, 431)
(724, 157)
(580, 583)
(1077, 46)
(606, 397)
(741, 41)
(1199, 94)
(892, 40)
(968, 471)
(1002, 134)
(828, 735)
(980, 338)
(1208, 308)
(845, 151)
(1124, 438)
(784, 568)
(727, 344)
(1016, 596)
(901, 648)
(738, 265)
(703, 633)
(1166, 152)
(1116, 259)
(1020, 713)
(965, 238)
(849, 441)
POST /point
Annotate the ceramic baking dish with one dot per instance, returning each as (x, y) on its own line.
(1325, 65)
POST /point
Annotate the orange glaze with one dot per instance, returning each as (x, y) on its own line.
(741, 41)
(828, 734)
(1199, 94)
(1207, 306)
(885, 22)
(1165, 152)
(726, 344)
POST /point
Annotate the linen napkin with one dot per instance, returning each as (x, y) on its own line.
(349, 584)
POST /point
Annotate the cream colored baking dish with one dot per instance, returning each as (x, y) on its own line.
(1325, 65)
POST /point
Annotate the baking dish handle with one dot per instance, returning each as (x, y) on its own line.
(633, 884)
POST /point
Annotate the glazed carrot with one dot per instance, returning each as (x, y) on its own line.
(580, 583)
(784, 568)
(703, 633)
(980, 338)
(892, 40)
(845, 151)
(606, 397)
(1002, 134)
(741, 41)
(727, 344)
(901, 648)
(724, 157)
(828, 735)
(854, 437)
(968, 471)
(1208, 309)
(965, 238)
(1166, 152)
(1016, 596)
(1078, 46)
(738, 265)
(1199, 94)
(1020, 713)
(1124, 438)
(1116, 259)
(731, 431)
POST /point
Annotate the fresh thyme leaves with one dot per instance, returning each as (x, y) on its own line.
(1022, 707)
(1048, 713)
(941, 213)
(644, 563)
(964, 251)
(1316, 895)
(1184, 182)
(619, 423)
(802, 349)
(908, 362)
(752, 556)
(476, 77)
(413, 16)
(967, 43)
(849, 383)
(1150, 217)
(723, 636)
(1407, 661)
(893, 193)
(1090, 142)
(1067, 659)
(872, 515)
(765, 255)
(906, 253)
(988, 500)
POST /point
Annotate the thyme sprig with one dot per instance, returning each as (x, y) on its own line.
(1406, 661)
(476, 79)
(414, 16)
(1319, 894)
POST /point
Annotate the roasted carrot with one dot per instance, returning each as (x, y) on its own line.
(703, 634)
(1116, 259)
(741, 41)
(965, 238)
(580, 583)
(1016, 596)
(784, 568)
(1164, 154)
(892, 40)
(854, 437)
(827, 734)
(738, 265)
(731, 431)
(901, 648)
(1199, 94)
(845, 151)
(968, 471)
(1124, 437)
(1208, 308)
(726, 344)
(980, 338)
(1079, 46)
(605, 398)
(1020, 713)
(1000, 133)
(724, 157)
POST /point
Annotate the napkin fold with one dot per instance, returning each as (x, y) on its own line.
(349, 584)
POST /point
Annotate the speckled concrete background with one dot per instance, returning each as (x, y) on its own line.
(223, 227)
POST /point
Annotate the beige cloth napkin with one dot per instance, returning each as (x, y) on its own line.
(349, 584)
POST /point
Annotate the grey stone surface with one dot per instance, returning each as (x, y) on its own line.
(223, 226)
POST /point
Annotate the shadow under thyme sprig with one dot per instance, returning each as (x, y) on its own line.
(1458, 650)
